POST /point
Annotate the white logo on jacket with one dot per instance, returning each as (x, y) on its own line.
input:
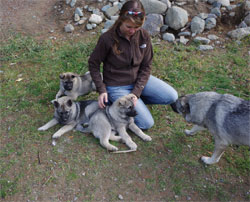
(143, 45)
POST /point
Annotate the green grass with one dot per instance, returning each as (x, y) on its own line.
(166, 169)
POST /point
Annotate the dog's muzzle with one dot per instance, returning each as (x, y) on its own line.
(68, 85)
(131, 113)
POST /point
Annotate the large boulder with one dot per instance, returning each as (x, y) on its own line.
(197, 25)
(239, 33)
(153, 24)
(154, 6)
(176, 18)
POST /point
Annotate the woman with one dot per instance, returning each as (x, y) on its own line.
(126, 53)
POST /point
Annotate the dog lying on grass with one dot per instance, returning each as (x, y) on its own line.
(105, 123)
(69, 114)
(74, 85)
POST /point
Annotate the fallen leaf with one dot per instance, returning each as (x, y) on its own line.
(20, 79)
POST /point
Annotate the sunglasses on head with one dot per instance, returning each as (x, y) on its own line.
(134, 13)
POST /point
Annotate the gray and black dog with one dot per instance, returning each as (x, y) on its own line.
(69, 114)
(74, 85)
(227, 117)
(116, 118)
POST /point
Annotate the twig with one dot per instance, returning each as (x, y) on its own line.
(125, 151)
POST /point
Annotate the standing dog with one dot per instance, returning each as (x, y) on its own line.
(73, 85)
(227, 117)
(105, 123)
(69, 114)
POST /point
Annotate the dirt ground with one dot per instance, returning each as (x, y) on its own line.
(45, 19)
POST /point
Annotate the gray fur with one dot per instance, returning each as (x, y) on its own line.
(81, 85)
(69, 114)
(105, 123)
(227, 117)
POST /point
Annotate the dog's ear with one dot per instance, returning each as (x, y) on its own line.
(56, 104)
(69, 102)
(184, 101)
(122, 102)
(62, 76)
(174, 107)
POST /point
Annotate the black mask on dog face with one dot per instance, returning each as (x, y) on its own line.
(68, 85)
(131, 112)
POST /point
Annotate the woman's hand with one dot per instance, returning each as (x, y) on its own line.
(102, 99)
(134, 99)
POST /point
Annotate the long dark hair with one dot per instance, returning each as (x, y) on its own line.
(132, 10)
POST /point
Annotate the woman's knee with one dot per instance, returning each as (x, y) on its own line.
(173, 96)
(144, 124)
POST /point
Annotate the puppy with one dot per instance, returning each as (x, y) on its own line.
(105, 123)
(73, 85)
(227, 117)
(69, 114)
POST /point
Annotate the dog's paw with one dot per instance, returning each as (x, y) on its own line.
(56, 135)
(42, 129)
(112, 148)
(207, 160)
(147, 138)
(132, 146)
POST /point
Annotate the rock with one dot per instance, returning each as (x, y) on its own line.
(76, 17)
(111, 11)
(90, 9)
(168, 37)
(104, 30)
(176, 17)
(211, 15)
(104, 8)
(167, 2)
(239, 33)
(154, 6)
(73, 3)
(211, 1)
(247, 6)
(247, 20)
(216, 11)
(82, 21)
(184, 34)
(212, 37)
(89, 26)
(231, 7)
(205, 47)
(120, 197)
(68, 1)
(79, 12)
(163, 28)
(153, 24)
(197, 25)
(96, 19)
(114, 17)
(217, 4)
(108, 24)
(69, 28)
(210, 23)
(202, 40)
(183, 40)
(203, 16)
(242, 25)
(224, 2)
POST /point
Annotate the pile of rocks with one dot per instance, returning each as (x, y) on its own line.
(169, 20)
